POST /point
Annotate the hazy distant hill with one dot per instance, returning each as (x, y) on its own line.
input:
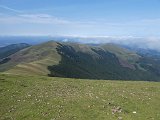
(11, 49)
(106, 61)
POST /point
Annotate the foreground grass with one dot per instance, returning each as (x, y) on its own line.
(43, 98)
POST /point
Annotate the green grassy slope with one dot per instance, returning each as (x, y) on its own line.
(33, 60)
(82, 61)
(44, 98)
(73, 60)
(36, 59)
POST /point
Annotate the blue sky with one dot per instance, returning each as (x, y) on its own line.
(80, 17)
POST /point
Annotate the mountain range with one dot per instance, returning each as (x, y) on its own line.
(75, 60)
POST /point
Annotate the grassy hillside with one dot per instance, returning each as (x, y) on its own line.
(44, 98)
(102, 62)
(37, 59)
(33, 60)
(122, 53)
(73, 60)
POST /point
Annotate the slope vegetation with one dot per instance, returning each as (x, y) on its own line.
(44, 98)
(33, 60)
(74, 60)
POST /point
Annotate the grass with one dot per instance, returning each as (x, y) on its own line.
(44, 98)
(33, 60)
(33, 68)
(74, 60)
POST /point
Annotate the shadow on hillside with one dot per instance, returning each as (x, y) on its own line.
(5, 60)
(72, 65)
(101, 65)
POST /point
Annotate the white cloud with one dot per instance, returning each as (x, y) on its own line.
(140, 42)
(22, 17)
(31, 18)
(10, 9)
(43, 18)
(36, 15)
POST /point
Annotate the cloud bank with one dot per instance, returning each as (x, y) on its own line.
(138, 42)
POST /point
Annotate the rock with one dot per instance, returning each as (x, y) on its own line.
(29, 95)
(116, 110)
(134, 112)
(119, 118)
